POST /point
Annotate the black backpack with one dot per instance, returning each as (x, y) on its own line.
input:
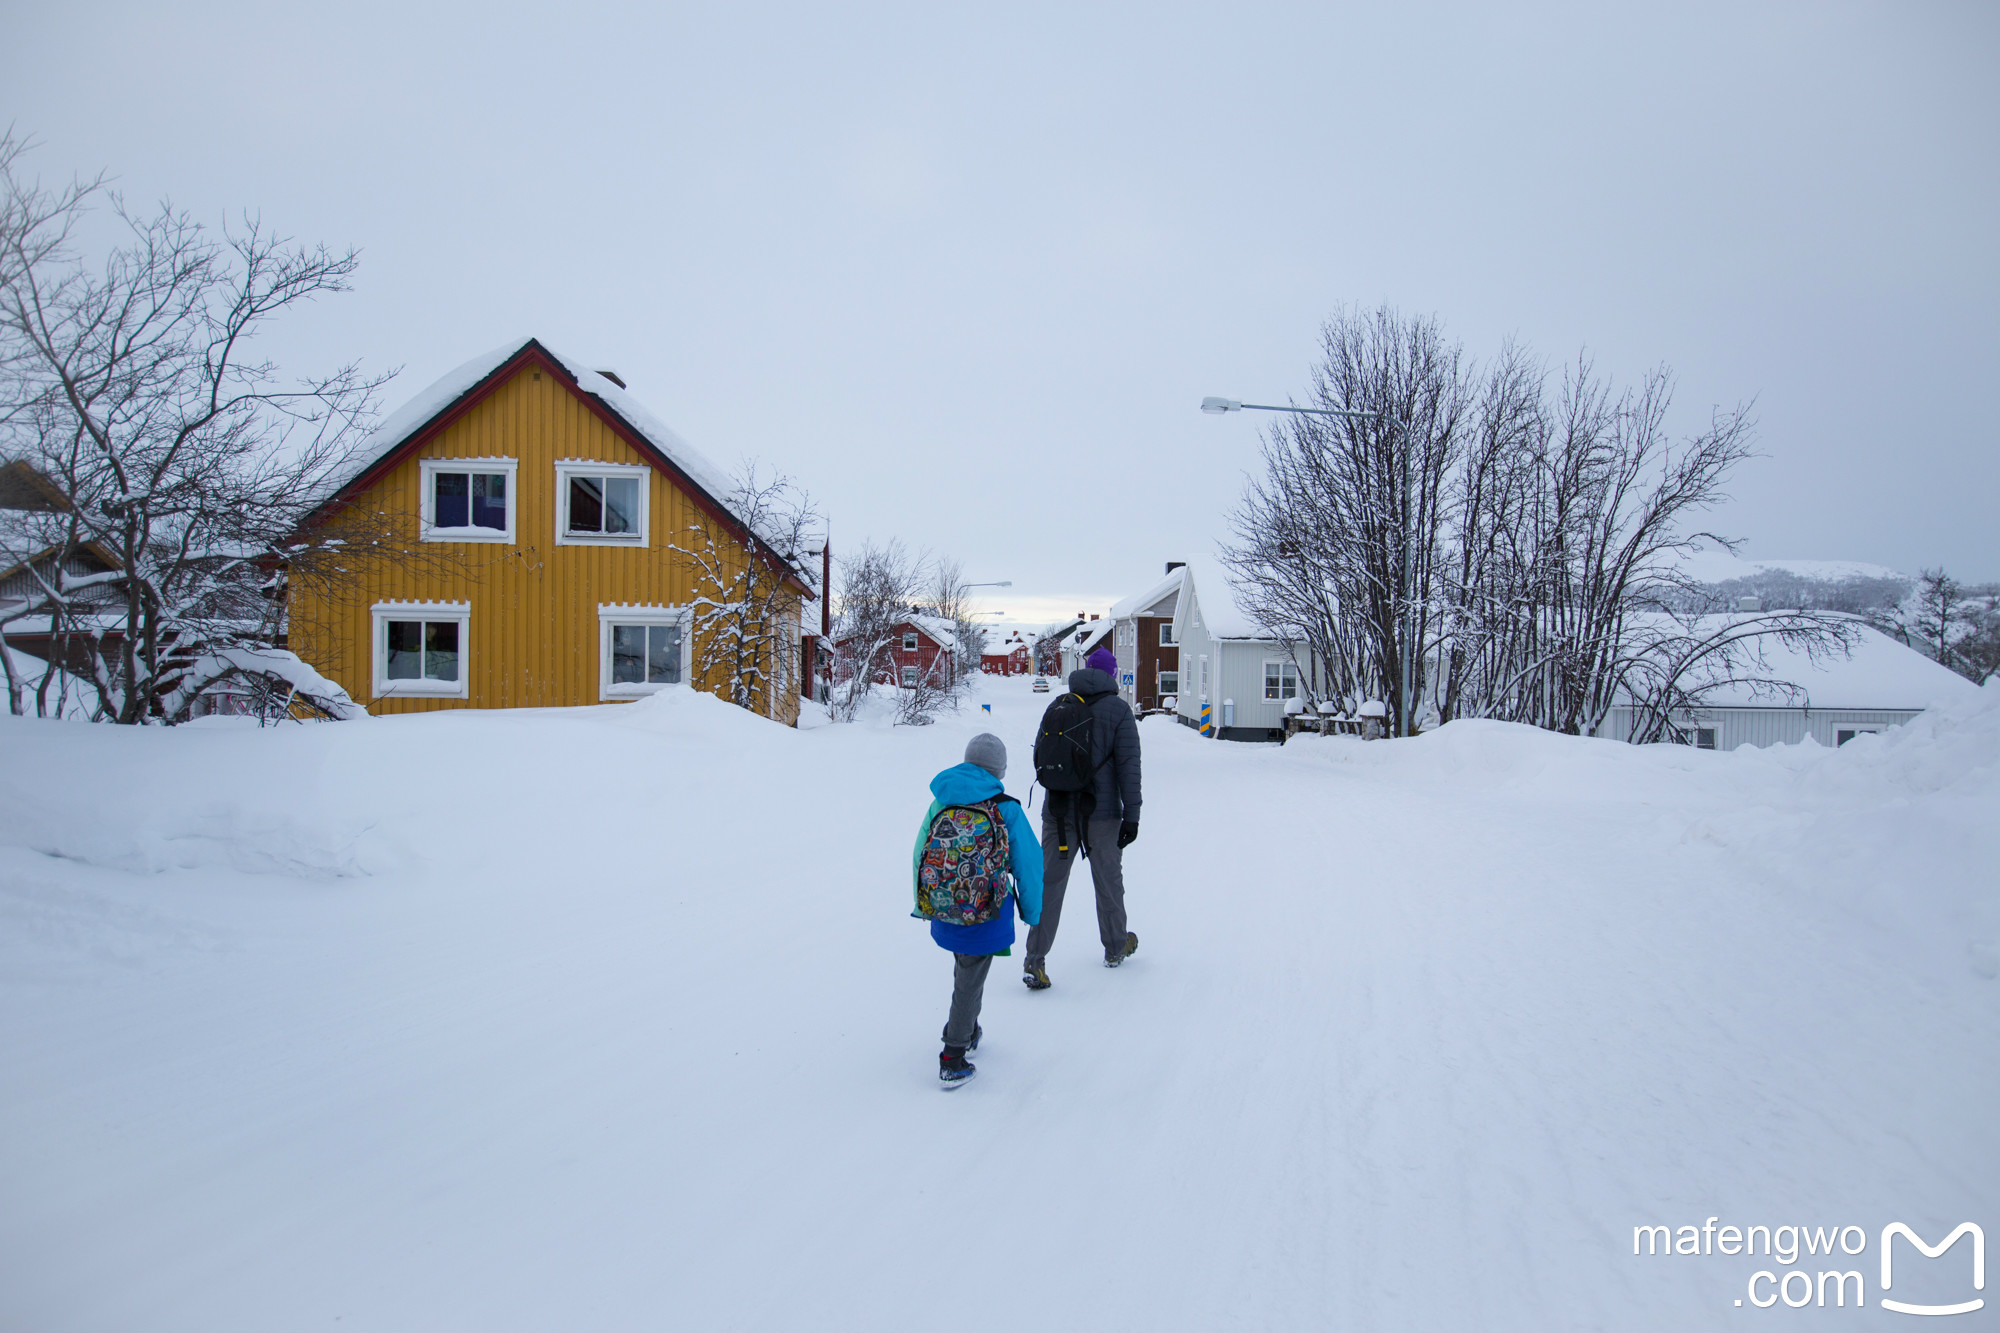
(1062, 749)
(1062, 764)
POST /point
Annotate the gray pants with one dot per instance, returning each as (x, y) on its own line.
(1107, 874)
(968, 988)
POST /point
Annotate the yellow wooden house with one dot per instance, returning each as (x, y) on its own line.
(549, 517)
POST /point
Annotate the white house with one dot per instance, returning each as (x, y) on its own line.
(1234, 678)
(1881, 684)
(1085, 641)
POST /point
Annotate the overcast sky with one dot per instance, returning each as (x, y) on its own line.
(967, 271)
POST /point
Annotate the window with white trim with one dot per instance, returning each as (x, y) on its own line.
(640, 650)
(909, 677)
(468, 499)
(1170, 682)
(1167, 639)
(909, 641)
(420, 649)
(1281, 680)
(1847, 731)
(602, 504)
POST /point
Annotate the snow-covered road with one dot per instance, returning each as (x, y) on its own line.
(614, 1018)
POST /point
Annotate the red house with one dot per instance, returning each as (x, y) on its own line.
(1014, 658)
(923, 645)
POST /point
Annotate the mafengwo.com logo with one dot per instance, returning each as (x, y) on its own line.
(1821, 1280)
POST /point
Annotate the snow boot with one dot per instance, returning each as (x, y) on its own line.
(954, 1069)
(1035, 976)
(1131, 947)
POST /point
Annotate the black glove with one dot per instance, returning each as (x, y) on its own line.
(1128, 833)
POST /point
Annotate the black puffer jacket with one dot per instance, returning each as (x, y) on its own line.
(1113, 733)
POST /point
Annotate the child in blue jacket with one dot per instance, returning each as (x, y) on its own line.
(974, 947)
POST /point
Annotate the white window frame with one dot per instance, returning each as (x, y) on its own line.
(382, 613)
(1283, 666)
(567, 468)
(1159, 682)
(1859, 729)
(613, 613)
(910, 677)
(427, 470)
(1167, 639)
(909, 641)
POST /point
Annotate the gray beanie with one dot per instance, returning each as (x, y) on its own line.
(989, 752)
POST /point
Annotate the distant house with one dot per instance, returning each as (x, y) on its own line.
(1235, 678)
(555, 499)
(1048, 645)
(1013, 658)
(921, 648)
(35, 557)
(926, 647)
(1089, 636)
(1882, 684)
(1149, 656)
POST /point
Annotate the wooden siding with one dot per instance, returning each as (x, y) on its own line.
(1735, 726)
(533, 636)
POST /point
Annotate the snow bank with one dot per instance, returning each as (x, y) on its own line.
(615, 1017)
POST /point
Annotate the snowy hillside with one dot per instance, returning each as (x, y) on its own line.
(614, 1017)
(1826, 585)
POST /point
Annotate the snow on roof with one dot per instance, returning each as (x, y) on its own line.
(1221, 617)
(413, 415)
(1132, 606)
(940, 629)
(1881, 673)
(1092, 634)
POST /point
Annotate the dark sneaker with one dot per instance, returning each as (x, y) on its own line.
(1035, 976)
(954, 1069)
(1131, 947)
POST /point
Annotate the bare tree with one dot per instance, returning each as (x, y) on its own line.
(878, 583)
(746, 620)
(1939, 613)
(1321, 537)
(133, 387)
(1976, 655)
(1546, 534)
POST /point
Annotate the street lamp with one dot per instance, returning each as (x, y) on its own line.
(1217, 406)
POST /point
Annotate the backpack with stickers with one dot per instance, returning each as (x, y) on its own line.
(965, 874)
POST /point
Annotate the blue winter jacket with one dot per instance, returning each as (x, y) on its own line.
(969, 784)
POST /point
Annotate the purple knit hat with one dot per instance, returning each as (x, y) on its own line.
(1104, 660)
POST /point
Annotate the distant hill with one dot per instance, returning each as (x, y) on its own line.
(1809, 585)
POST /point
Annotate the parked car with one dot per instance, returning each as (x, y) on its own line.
(1041, 685)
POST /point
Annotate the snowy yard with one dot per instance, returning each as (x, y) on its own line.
(614, 1018)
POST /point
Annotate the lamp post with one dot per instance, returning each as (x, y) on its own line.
(1406, 616)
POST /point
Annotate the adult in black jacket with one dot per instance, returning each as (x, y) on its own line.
(1111, 825)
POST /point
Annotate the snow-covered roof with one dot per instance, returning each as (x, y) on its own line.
(942, 631)
(1132, 606)
(1881, 673)
(1087, 638)
(1221, 617)
(413, 415)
